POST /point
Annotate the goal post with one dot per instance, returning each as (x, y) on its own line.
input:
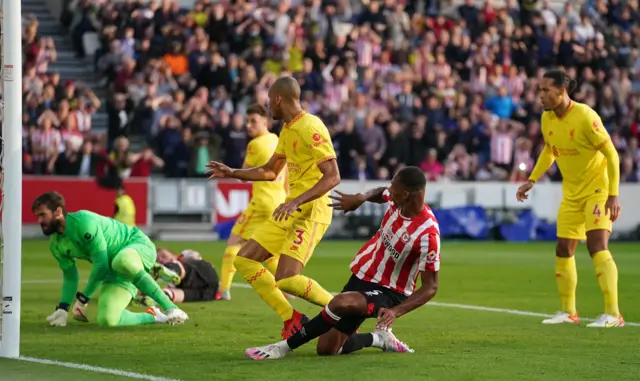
(11, 247)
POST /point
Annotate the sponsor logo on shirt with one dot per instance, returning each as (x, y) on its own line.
(432, 257)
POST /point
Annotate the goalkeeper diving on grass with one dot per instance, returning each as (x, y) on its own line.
(121, 255)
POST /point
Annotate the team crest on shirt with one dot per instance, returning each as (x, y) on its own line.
(295, 145)
(571, 134)
(87, 236)
(596, 126)
(405, 238)
(318, 140)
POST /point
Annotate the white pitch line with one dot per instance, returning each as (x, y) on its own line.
(96, 369)
(435, 304)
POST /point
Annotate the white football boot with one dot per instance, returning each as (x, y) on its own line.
(562, 318)
(390, 342)
(176, 316)
(607, 321)
(268, 352)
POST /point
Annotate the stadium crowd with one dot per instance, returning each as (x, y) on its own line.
(396, 82)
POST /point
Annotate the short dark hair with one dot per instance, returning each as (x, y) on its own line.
(412, 178)
(561, 79)
(257, 109)
(52, 200)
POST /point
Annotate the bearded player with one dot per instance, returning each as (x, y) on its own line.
(578, 142)
(121, 256)
(266, 196)
(297, 225)
(384, 275)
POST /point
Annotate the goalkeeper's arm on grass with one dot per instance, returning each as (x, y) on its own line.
(97, 246)
(70, 281)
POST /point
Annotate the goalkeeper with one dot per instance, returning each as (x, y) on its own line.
(121, 256)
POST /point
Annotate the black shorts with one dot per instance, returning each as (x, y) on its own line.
(377, 297)
(199, 294)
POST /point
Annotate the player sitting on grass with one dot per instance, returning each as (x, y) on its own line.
(197, 279)
(578, 142)
(121, 256)
(384, 275)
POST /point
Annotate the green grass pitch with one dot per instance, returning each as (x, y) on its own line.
(450, 343)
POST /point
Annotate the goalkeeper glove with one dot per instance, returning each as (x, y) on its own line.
(80, 308)
(59, 317)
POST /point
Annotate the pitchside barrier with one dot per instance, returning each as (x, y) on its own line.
(474, 206)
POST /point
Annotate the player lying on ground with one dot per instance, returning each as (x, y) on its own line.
(197, 278)
(296, 226)
(265, 196)
(121, 256)
(578, 142)
(384, 275)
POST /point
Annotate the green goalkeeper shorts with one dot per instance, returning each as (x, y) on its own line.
(146, 251)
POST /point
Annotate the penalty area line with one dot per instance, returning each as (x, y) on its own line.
(434, 304)
(96, 369)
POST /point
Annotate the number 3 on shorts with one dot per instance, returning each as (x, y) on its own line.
(596, 210)
(299, 239)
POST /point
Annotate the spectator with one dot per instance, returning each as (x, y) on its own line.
(410, 84)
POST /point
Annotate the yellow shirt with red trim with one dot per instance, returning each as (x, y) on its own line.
(305, 143)
(575, 140)
(266, 195)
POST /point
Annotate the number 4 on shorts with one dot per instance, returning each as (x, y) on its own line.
(299, 239)
(596, 210)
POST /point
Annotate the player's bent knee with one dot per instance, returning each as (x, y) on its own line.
(330, 343)
(327, 350)
(235, 240)
(288, 267)
(127, 263)
(253, 251)
(345, 304)
(108, 320)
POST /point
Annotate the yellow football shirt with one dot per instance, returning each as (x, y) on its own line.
(575, 141)
(125, 210)
(266, 195)
(305, 142)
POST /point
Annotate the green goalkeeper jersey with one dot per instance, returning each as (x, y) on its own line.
(94, 238)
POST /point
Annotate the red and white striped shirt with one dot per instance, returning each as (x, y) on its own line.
(44, 143)
(400, 250)
(501, 148)
(365, 50)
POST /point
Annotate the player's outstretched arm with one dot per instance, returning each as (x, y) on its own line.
(266, 172)
(419, 298)
(350, 202)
